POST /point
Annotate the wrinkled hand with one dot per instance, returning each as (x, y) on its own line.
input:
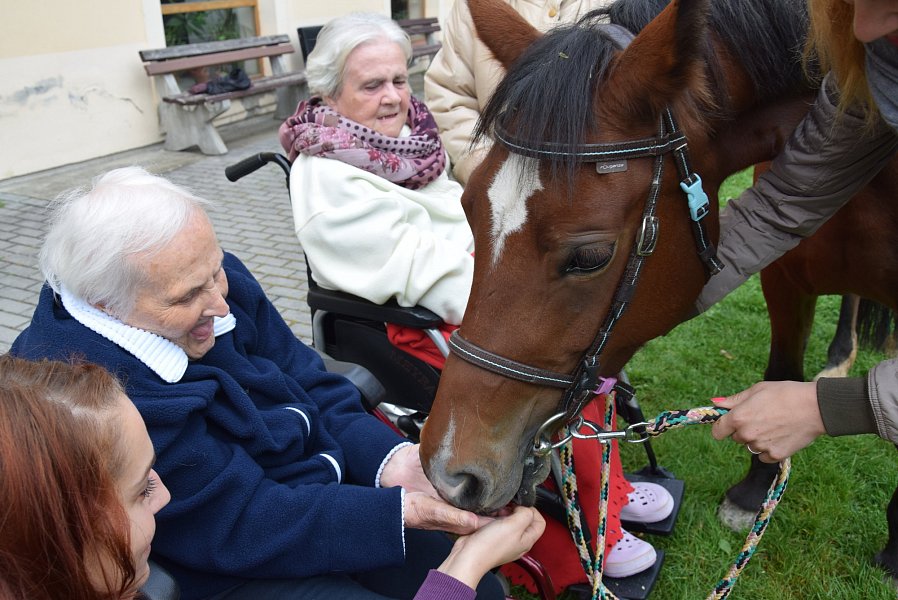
(404, 469)
(425, 512)
(424, 509)
(774, 418)
(500, 541)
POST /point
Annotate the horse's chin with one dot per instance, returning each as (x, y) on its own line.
(535, 472)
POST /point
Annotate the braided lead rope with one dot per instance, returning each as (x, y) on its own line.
(593, 562)
(708, 414)
(663, 422)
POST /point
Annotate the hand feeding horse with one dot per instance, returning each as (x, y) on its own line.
(591, 233)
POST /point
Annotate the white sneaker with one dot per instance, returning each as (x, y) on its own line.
(629, 556)
(647, 503)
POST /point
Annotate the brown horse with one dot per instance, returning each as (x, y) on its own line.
(587, 245)
(852, 254)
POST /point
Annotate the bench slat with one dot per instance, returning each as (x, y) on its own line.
(406, 23)
(421, 30)
(259, 86)
(211, 60)
(211, 47)
(428, 50)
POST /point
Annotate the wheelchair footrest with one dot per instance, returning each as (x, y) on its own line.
(674, 486)
(635, 587)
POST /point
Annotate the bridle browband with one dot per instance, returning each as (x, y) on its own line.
(585, 380)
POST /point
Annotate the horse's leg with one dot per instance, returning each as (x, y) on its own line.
(887, 558)
(791, 312)
(791, 317)
(843, 347)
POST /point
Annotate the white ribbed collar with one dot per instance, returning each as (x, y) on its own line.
(163, 357)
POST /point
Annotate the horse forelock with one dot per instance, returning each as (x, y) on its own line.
(549, 93)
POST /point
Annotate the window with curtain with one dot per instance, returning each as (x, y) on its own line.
(193, 21)
(407, 9)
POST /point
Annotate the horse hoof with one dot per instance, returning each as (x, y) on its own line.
(888, 561)
(840, 370)
(734, 516)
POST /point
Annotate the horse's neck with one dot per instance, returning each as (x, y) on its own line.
(752, 130)
(757, 134)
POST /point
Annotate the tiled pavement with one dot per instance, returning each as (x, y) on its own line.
(252, 218)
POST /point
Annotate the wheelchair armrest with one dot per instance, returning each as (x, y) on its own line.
(342, 303)
(373, 392)
(160, 585)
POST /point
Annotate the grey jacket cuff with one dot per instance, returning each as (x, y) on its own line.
(844, 406)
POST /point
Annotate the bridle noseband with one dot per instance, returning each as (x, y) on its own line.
(585, 381)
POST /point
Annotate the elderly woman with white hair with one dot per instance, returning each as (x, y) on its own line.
(374, 208)
(282, 485)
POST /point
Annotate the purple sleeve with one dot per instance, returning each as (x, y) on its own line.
(439, 586)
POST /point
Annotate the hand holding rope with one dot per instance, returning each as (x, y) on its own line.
(593, 561)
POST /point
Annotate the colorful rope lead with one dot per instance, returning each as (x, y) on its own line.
(593, 561)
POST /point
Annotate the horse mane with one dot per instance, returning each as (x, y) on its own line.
(548, 93)
(766, 37)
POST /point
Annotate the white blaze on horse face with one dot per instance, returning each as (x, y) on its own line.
(514, 183)
(445, 452)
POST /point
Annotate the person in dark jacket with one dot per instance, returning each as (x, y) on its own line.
(282, 485)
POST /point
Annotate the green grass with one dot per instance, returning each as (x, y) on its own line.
(831, 520)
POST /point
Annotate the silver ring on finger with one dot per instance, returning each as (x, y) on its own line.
(750, 449)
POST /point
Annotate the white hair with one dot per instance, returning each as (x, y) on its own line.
(327, 61)
(95, 233)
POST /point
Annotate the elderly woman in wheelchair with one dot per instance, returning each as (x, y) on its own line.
(282, 484)
(379, 218)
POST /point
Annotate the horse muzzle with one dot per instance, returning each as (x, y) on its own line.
(484, 488)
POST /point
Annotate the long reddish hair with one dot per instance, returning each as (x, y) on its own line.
(832, 42)
(60, 509)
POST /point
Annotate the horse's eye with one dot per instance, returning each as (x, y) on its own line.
(589, 259)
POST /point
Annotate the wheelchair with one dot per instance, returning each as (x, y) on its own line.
(353, 330)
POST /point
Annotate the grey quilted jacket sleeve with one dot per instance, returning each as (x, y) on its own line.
(828, 158)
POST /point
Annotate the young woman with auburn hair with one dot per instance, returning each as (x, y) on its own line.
(77, 490)
(833, 45)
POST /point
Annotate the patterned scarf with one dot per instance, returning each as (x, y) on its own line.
(412, 162)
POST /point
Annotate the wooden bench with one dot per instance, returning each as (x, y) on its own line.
(421, 31)
(187, 118)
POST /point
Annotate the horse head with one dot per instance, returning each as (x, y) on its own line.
(586, 245)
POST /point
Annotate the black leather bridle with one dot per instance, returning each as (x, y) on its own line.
(585, 381)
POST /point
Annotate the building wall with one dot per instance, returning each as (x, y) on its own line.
(72, 86)
(71, 83)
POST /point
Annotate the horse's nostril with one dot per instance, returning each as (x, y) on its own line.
(464, 490)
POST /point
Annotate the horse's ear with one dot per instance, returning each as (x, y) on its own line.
(502, 29)
(663, 62)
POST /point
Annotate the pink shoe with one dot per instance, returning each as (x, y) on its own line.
(647, 503)
(629, 556)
